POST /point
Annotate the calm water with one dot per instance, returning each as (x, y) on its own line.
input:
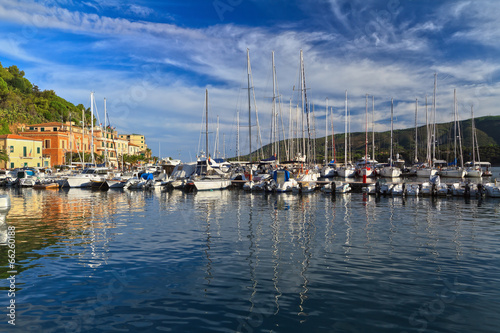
(232, 261)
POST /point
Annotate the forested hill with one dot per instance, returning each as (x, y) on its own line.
(487, 132)
(23, 102)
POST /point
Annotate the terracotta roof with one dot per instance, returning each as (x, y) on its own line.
(17, 137)
(131, 144)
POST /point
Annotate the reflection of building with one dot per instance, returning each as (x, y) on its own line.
(136, 139)
(22, 152)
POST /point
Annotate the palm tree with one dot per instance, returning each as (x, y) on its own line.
(3, 156)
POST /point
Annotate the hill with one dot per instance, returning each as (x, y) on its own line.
(23, 102)
(488, 137)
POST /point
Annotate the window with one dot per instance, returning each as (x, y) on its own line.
(42, 129)
(25, 150)
(12, 165)
(38, 150)
(38, 165)
(54, 129)
(32, 128)
(62, 144)
(47, 143)
(11, 149)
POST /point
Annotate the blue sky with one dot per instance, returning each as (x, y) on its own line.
(153, 60)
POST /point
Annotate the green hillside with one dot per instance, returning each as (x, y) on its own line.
(488, 135)
(23, 102)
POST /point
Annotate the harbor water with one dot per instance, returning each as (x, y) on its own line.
(230, 261)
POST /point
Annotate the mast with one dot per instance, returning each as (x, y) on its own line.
(306, 105)
(206, 126)
(326, 132)
(366, 131)
(373, 127)
(434, 118)
(333, 137)
(428, 132)
(71, 143)
(238, 134)
(249, 109)
(105, 132)
(416, 142)
(345, 135)
(274, 117)
(455, 126)
(392, 128)
(459, 137)
(92, 126)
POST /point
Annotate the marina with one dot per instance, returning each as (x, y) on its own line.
(237, 261)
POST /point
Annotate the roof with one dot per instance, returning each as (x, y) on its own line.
(54, 123)
(17, 137)
(133, 144)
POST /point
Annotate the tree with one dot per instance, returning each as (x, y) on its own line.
(3, 156)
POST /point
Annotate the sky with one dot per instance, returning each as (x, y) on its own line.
(154, 60)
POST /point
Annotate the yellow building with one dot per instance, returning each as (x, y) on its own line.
(22, 152)
(136, 139)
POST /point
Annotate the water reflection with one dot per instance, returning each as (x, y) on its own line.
(217, 260)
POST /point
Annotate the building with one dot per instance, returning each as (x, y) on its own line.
(59, 139)
(136, 139)
(22, 152)
(134, 149)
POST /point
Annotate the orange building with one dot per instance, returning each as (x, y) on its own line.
(59, 139)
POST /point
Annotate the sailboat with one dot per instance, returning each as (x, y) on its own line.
(391, 171)
(429, 170)
(208, 178)
(364, 167)
(474, 169)
(455, 171)
(347, 170)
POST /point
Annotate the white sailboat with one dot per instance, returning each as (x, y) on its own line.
(474, 170)
(455, 171)
(391, 171)
(347, 170)
(429, 170)
(208, 178)
(365, 167)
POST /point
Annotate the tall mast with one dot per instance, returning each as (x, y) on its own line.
(249, 108)
(238, 134)
(105, 132)
(71, 143)
(434, 120)
(206, 126)
(345, 138)
(455, 125)
(326, 132)
(333, 136)
(392, 128)
(366, 130)
(92, 126)
(416, 141)
(373, 127)
(274, 128)
(307, 107)
(428, 152)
